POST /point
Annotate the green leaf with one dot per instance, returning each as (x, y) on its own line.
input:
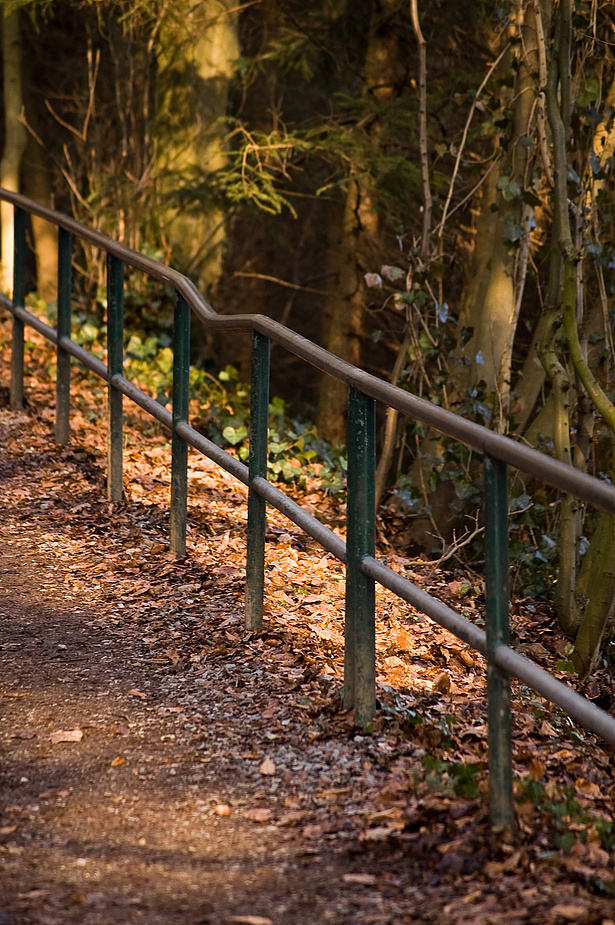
(234, 435)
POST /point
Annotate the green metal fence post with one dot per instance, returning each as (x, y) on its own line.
(179, 447)
(19, 299)
(115, 361)
(501, 807)
(257, 463)
(360, 630)
(65, 254)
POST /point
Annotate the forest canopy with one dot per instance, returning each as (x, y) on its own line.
(424, 188)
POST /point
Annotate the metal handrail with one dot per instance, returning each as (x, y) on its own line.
(362, 568)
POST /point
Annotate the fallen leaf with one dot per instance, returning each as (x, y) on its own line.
(378, 834)
(267, 767)
(546, 729)
(259, 814)
(250, 920)
(466, 658)
(136, 693)
(8, 829)
(363, 879)
(442, 684)
(222, 809)
(116, 730)
(330, 635)
(66, 735)
(571, 912)
(333, 793)
(292, 818)
(537, 768)
(117, 762)
(173, 656)
(587, 788)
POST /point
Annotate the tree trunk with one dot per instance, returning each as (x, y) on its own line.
(346, 306)
(354, 253)
(36, 179)
(595, 594)
(197, 51)
(492, 297)
(15, 139)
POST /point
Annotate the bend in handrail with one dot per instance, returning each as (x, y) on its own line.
(559, 475)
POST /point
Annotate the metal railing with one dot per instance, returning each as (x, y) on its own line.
(358, 553)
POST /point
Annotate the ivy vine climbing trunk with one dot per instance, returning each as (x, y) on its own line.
(496, 280)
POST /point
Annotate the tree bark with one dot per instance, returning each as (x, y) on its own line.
(492, 298)
(197, 50)
(15, 138)
(355, 251)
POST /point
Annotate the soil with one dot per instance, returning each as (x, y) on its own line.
(161, 765)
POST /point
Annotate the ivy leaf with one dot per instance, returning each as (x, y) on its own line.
(392, 273)
(513, 231)
(509, 189)
(442, 311)
(234, 435)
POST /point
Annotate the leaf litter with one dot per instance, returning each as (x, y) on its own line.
(237, 754)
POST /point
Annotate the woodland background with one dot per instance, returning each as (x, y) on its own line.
(424, 188)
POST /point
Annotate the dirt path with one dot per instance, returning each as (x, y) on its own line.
(159, 766)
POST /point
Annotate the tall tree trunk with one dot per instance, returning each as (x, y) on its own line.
(355, 250)
(36, 182)
(492, 297)
(14, 138)
(346, 306)
(197, 50)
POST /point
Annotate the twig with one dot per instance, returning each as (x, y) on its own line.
(280, 282)
(463, 142)
(456, 545)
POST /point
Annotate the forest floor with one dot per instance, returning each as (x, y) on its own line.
(161, 765)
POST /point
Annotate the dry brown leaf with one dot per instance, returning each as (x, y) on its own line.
(442, 683)
(333, 793)
(267, 767)
(537, 768)
(466, 657)
(394, 661)
(380, 832)
(587, 788)
(457, 845)
(363, 879)
(66, 735)
(8, 829)
(117, 762)
(258, 814)
(329, 634)
(250, 920)
(294, 817)
(136, 693)
(222, 809)
(570, 912)
(117, 730)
